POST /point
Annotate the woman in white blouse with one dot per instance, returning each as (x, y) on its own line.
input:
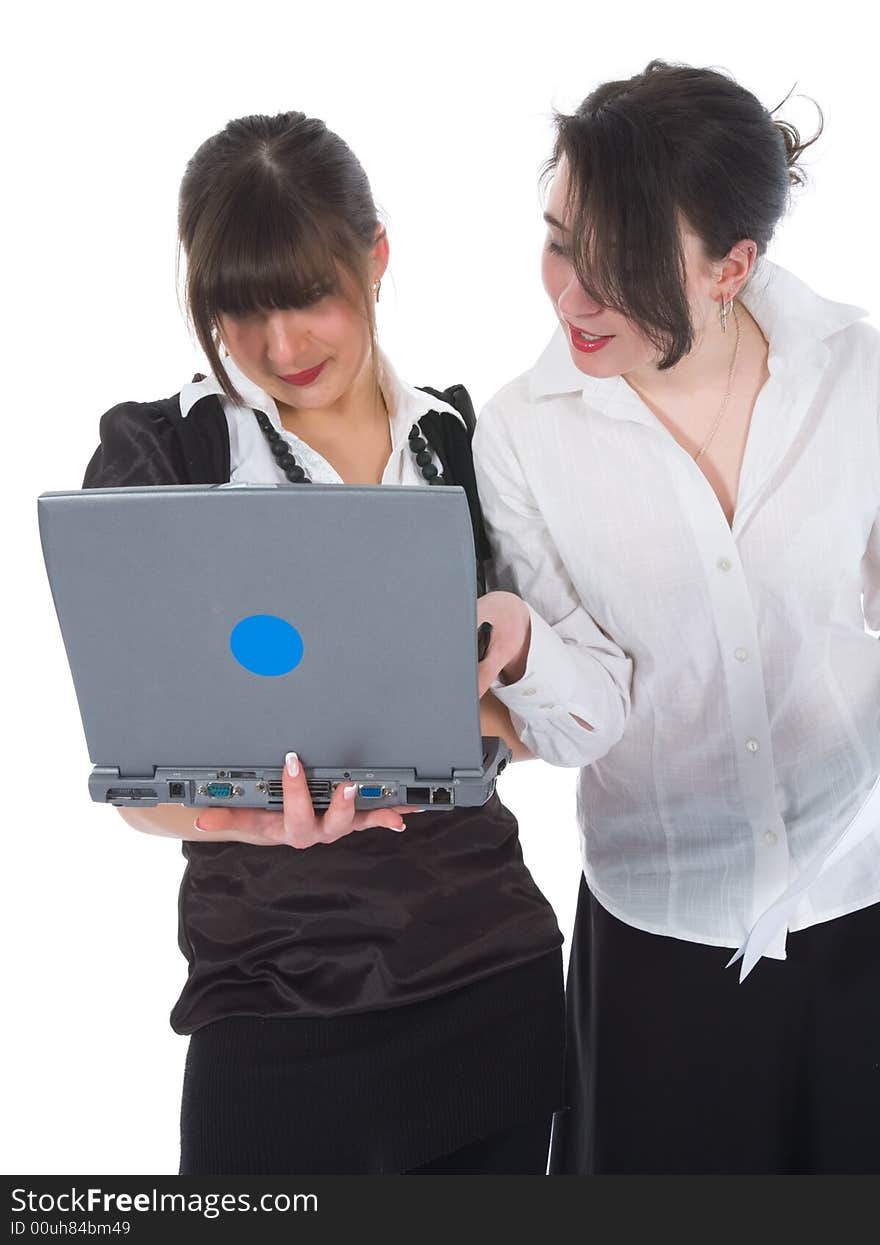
(684, 492)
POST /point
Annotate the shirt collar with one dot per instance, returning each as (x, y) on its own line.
(793, 318)
(406, 404)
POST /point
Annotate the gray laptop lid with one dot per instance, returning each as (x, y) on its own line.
(160, 594)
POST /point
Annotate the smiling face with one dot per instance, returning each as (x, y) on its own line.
(309, 356)
(302, 357)
(603, 341)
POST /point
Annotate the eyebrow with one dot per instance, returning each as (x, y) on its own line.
(552, 221)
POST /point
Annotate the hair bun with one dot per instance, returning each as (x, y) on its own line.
(795, 146)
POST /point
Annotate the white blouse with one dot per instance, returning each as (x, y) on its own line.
(251, 460)
(733, 688)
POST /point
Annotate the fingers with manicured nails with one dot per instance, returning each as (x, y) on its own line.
(300, 823)
(381, 819)
(298, 826)
(340, 818)
(304, 828)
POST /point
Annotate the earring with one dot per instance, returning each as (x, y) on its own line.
(724, 307)
(377, 285)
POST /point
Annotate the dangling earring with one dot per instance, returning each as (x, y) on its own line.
(377, 285)
(724, 307)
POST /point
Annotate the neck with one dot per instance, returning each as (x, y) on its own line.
(705, 368)
(360, 408)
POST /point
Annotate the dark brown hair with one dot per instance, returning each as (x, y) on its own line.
(671, 142)
(273, 211)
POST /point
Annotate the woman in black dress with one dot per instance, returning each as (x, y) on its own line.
(391, 1003)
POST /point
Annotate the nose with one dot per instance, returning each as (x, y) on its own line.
(286, 335)
(574, 303)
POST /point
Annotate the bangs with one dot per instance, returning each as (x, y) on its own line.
(274, 213)
(624, 227)
(262, 254)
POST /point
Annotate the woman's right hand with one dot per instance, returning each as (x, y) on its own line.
(298, 825)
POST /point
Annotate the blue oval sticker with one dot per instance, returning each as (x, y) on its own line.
(266, 644)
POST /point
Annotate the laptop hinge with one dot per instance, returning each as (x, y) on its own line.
(122, 771)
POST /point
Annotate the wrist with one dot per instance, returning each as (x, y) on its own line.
(515, 669)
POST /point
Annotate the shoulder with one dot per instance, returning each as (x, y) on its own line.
(147, 443)
(516, 395)
(453, 406)
(859, 343)
(500, 417)
(125, 416)
(450, 419)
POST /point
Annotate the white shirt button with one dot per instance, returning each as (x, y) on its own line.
(771, 838)
(752, 745)
(547, 706)
(724, 564)
(741, 654)
(529, 691)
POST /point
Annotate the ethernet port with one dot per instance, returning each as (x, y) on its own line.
(442, 795)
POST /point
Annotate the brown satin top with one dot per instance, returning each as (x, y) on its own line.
(372, 921)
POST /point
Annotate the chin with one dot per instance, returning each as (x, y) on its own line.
(601, 366)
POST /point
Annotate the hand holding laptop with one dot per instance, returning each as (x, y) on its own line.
(299, 825)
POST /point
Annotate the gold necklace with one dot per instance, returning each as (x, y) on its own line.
(730, 377)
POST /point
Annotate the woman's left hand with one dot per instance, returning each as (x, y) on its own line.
(511, 634)
(298, 824)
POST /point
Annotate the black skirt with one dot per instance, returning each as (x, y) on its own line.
(379, 1092)
(675, 1068)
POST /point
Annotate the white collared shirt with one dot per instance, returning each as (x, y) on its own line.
(728, 675)
(251, 460)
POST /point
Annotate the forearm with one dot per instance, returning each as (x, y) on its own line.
(173, 821)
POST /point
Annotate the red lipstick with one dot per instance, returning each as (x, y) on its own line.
(584, 345)
(304, 378)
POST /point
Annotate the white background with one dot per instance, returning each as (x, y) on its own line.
(448, 106)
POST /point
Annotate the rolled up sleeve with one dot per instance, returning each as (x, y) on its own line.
(574, 669)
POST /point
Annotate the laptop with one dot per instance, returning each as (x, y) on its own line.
(210, 629)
